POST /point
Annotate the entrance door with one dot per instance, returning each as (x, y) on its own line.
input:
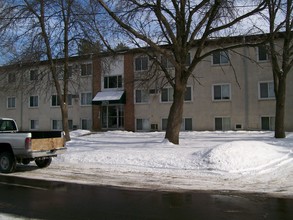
(113, 117)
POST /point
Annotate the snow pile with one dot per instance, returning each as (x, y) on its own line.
(241, 156)
(251, 161)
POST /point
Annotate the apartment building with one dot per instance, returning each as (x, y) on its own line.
(230, 90)
(29, 96)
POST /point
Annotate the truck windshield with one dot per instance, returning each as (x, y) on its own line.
(7, 125)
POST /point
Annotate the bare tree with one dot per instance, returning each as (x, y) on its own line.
(46, 30)
(280, 19)
(182, 25)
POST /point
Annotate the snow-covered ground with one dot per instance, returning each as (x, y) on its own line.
(242, 161)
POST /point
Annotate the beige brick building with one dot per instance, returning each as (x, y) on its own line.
(233, 90)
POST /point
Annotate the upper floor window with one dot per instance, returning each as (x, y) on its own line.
(167, 94)
(266, 90)
(112, 82)
(221, 92)
(141, 63)
(34, 101)
(262, 53)
(220, 57)
(142, 96)
(33, 75)
(86, 98)
(86, 69)
(166, 63)
(55, 101)
(11, 77)
(11, 102)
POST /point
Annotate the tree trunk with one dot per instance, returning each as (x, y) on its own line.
(64, 113)
(280, 108)
(175, 115)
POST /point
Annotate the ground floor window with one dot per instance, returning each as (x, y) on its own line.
(57, 125)
(186, 124)
(34, 124)
(86, 124)
(268, 123)
(112, 117)
(222, 123)
(142, 124)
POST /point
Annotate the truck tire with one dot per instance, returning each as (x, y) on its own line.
(42, 163)
(7, 162)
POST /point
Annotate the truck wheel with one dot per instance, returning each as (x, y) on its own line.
(42, 163)
(7, 162)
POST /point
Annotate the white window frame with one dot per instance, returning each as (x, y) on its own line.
(170, 94)
(88, 69)
(89, 98)
(141, 59)
(32, 105)
(260, 48)
(34, 75)
(108, 82)
(183, 124)
(222, 98)
(34, 124)
(59, 125)
(224, 127)
(11, 100)
(223, 54)
(144, 96)
(270, 87)
(271, 123)
(146, 126)
(88, 123)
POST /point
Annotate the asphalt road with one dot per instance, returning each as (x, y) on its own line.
(42, 199)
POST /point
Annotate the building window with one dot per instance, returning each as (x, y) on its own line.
(186, 124)
(222, 123)
(112, 116)
(34, 124)
(11, 102)
(220, 57)
(86, 98)
(34, 101)
(262, 53)
(112, 82)
(70, 124)
(188, 94)
(86, 69)
(164, 124)
(57, 125)
(166, 63)
(266, 90)
(86, 124)
(55, 101)
(142, 96)
(167, 94)
(11, 77)
(268, 123)
(142, 124)
(141, 63)
(221, 92)
(33, 75)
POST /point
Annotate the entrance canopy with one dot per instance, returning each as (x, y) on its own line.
(109, 97)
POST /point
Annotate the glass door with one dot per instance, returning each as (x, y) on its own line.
(113, 117)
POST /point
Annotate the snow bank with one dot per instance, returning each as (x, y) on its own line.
(241, 156)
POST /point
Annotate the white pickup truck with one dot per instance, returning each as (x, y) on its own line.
(24, 147)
